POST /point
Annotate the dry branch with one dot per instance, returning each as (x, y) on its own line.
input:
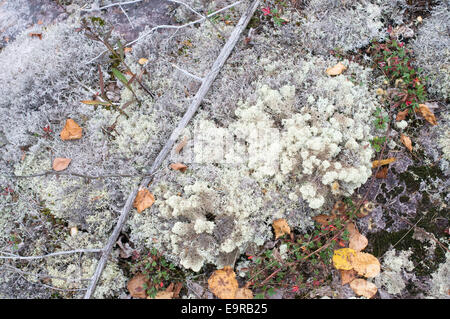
(203, 90)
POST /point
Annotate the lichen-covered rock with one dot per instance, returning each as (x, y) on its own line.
(431, 50)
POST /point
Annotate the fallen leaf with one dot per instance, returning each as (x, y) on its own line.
(181, 145)
(144, 199)
(177, 289)
(362, 287)
(382, 173)
(351, 228)
(347, 276)
(73, 231)
(324, 220)
(37, 35)
(383, 162)
(60, 163)
(337, 69)
(127, 49)
(365, 264)
(71, 131)
(406, 141)
(335, 186)
(223, 283)
(142, 61)
(342, 258)
(358, 242)
(164, 295)
(40, 22)
(95, 102)
(243, 293)
(136, 286)
(281, 227)
(178, 167)
(427, 114)
(401, 115)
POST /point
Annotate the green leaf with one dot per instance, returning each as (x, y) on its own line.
(119, 76)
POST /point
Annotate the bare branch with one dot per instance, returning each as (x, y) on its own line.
(76, 251)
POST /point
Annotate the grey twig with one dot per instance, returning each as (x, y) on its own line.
(110, 5)
(206, 84)
(12, 256)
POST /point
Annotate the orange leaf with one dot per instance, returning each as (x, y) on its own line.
(142, 61)
(71, 131)
(60, 163)
(362, 287)
(347, 276)
(144, 199)
(136, 286)
(365, 264)
(406, 141)
(382, 173)
(38, 35)
(243, 293)
(223, 283)
(178, 167)
(281, 227)
(337, 69)
(427, 114)
(164, 295)
(358, 242)
(383, 162)
(401, 115)
(324, 220)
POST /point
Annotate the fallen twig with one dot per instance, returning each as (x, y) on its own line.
(206, 84)
(12, 256)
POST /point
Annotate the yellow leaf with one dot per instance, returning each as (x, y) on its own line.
(136, 286)
(281, 227)
(362, 287)
(383, 162)
(427, 114)
(71, 131)
(342, 258)
(60, 163)
(337, 69)
(243, 293)
(142, 61)
(178, 167)
(358, 242)
(347, 276)
(144, 199)
(223, 283)
(365, 264)
(406, 141)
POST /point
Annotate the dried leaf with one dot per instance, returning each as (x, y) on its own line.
(127, 49)
(181, 145)
(177, 289)
(243, 293)
(406, 141)
(142, 61)
(164, 295)
(71, 131)
(427, 114)
(365, 264)
(281, 227)
(136, 286)
(61, 163)
(324, 220)
(402, 115)
(358, 242)
(37, 35)
(95, 102)
(335, 186)
(337, 69)
(73, 231)
(144, 199)
(178, 167)
(347, 276)
(382, 173)
(351, 228)
(362, 287)
(383, 162)
(342, 258)
(223, 283)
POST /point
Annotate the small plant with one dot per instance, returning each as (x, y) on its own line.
(275, 14)
(395, 61)
(381, 120)
(158, 271)
(378, 142)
